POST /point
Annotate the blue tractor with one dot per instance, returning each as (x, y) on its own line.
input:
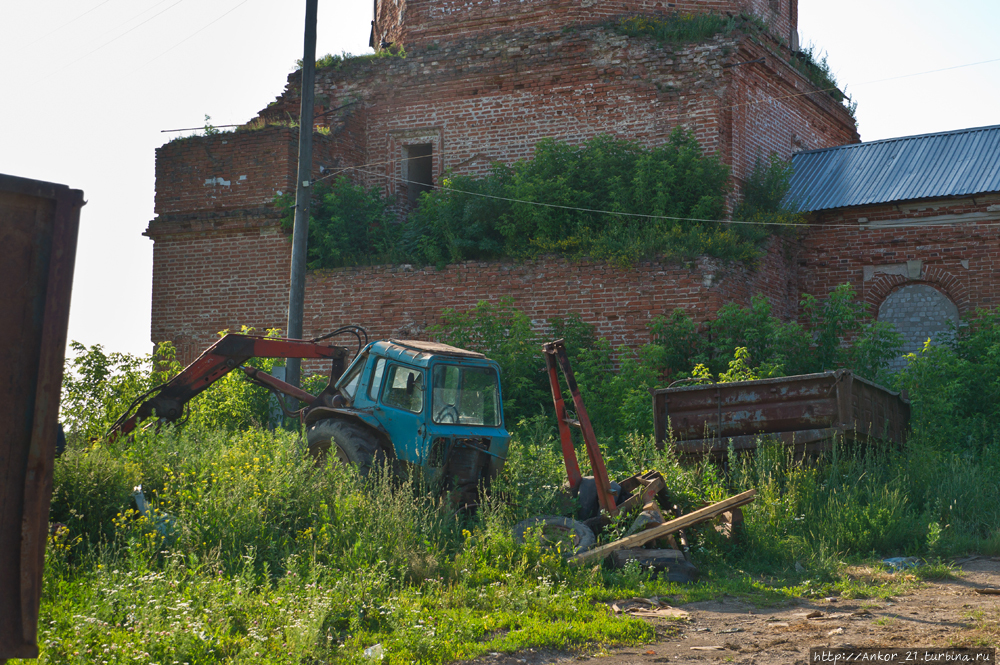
(405, 403)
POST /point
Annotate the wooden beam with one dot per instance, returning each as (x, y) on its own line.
(643, 491)
(643, 537)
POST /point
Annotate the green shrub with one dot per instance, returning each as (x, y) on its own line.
(657, 202)
(835, 333)
(620, 176)
(348, 225)
(272, 559)
(98, 386)
(955, 386)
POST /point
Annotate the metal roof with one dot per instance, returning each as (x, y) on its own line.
(956, 163)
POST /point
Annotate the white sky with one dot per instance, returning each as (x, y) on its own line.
(87, 85)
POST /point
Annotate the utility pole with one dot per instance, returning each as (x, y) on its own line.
(300, 230)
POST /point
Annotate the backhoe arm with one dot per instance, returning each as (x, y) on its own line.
(218, 360)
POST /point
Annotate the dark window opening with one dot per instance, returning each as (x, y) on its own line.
(420, 174)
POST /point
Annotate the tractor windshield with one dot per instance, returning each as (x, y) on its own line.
(466, 396)
(349, 383)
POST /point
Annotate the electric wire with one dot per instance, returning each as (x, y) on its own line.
(72, 20)
(930, 71)
(135, 27)
(859, 226)
(360, 168)
(722, 108)
(193, 34)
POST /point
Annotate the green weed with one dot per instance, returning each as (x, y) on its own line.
(252, 553)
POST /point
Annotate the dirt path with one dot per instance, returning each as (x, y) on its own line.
(947, 613)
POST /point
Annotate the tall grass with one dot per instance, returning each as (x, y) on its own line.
(252, 553)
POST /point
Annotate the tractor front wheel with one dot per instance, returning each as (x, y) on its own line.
(350, 443)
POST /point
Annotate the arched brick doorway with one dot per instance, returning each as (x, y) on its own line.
(919, 312)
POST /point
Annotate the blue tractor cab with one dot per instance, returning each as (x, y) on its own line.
(418, 404)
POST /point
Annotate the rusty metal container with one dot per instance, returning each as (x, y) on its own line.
(806, 411)
(38, 231)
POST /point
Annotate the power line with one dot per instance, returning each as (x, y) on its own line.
(132, 18)
(111, 41)
(79, 16)
(931, 71)
(193, 34)
(637, 214)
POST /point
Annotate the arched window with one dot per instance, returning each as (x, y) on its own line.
(919, 312)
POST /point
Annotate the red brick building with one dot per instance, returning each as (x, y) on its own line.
(480, 83)
(913, 223)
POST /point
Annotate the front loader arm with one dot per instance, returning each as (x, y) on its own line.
(218, 360)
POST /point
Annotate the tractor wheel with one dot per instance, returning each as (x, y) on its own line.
(563, 533)
(348, 442)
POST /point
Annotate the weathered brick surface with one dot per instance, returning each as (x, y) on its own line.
(952, 245)
(212, 275)
(481, 89)
(493, 98)
(224, 172)
(414, 23)
(919, 312)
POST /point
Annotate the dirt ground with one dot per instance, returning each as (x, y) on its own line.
(946, 613)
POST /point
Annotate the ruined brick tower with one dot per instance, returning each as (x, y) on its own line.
(482, 82)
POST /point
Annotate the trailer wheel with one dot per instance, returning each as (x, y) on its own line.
(348, 442)
(566, 534)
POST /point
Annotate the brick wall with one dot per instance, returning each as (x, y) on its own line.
(415, 23)
(217, 274)
(772, 108)
(220, 262)
(233, 170)
(212, 275)
(493, 98)
(952, 245)
(227, 271)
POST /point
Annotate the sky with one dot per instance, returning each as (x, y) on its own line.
(87, 86)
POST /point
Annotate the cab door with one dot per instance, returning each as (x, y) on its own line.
(402, 408)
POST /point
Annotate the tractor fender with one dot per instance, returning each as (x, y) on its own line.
(366, 419)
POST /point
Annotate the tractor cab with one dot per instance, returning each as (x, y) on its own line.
(438, 406)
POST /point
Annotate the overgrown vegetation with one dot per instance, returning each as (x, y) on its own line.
(678, 29)
(816, 68)
(660, 202)
(349, 225)
(251, 553)
(745, 342)
(337, 61)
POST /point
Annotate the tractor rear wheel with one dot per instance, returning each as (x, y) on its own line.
(553, 532)
(348, 442)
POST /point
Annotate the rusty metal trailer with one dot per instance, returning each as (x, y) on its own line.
(38, 231)
(807, 411)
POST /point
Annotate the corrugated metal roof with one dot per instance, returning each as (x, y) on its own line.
(956, 163)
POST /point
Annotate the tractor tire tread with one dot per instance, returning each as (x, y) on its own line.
(359, 444)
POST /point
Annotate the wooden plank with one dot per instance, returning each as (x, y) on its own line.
(633, 500)
(643, 537)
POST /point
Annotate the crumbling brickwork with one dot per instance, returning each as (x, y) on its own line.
(493, 98)
(222, 274)
(949, 244)
(482, 83)
(416, 23)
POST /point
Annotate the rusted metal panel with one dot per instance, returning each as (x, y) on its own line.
(807, 411)
(38, 231)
